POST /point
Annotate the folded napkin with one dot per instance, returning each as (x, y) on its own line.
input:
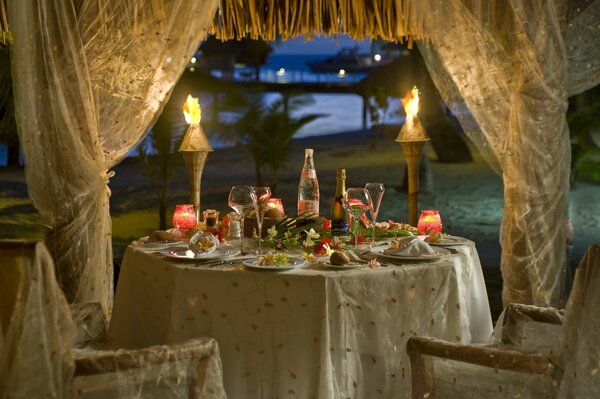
(203, 243)
(409, 246)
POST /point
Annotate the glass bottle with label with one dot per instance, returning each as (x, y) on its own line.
(308, 189)
(339, 219)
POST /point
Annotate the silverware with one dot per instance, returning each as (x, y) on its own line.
(224, 261)
(356, 258)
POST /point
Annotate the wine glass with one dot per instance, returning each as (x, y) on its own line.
(376, 191)
(357, 202)
(262, 197)
(242, 199)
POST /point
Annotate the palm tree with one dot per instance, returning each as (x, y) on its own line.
(265, 131)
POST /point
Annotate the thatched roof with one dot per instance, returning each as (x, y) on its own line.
(392, 20)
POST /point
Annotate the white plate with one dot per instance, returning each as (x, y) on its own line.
(184, 253)
(440, 252)
(449, 241)
(157, 243)
(255, 264)
(351, 265)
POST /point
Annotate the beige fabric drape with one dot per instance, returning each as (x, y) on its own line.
(90, 77)
(35, 359)
(512, 65)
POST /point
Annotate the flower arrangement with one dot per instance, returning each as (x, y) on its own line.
(313, 237)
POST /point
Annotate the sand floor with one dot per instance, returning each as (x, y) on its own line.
(468, 196)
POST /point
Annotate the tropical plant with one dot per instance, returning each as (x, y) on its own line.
(265, 131)
(160, 157)
(582, 123)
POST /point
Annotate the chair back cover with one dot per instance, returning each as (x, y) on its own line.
(37, 329)
(581, 351)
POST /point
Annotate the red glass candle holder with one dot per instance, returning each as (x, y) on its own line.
(429, 220)
(184, 217)
(276, 203)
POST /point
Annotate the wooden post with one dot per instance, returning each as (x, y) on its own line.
(412, 151)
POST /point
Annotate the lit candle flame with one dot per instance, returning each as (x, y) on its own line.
(191, 110)
(411, 105)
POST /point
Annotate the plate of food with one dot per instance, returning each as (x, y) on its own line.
(185, 253)
(157, 243)
(341, 260)
(446, 241)
(274, 261)
(440, 252)
(347, 266)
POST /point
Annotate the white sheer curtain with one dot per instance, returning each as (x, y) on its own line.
(512, 65)
(90, 78)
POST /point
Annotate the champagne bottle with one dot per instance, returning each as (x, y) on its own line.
(339, 221)
(308, 189)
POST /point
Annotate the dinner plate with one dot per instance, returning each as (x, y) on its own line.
(292, 263)
(440, 252)
(184, 253)
(349, 266)
(157, 243)
(449, 241)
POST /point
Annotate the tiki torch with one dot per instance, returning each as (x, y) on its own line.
(194, 148)
(412, 138)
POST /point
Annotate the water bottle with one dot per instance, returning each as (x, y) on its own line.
(308, 189)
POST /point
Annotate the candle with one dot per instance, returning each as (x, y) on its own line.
(184, 217)
(429, 221)
(275, 203)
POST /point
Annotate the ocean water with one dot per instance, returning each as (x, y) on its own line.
(341, 112)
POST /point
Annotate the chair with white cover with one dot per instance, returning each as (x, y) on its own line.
(565, 363)
(44, 353)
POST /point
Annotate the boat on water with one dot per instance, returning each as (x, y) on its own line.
(349, 60)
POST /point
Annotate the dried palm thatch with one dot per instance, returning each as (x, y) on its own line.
(392, 20)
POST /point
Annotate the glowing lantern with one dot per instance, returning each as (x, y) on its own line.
(184, 217)
(429, 221)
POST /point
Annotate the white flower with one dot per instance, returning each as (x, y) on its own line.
(308, 242)
(271, 233)
(328, 249)
(308, 257)
(312, 234)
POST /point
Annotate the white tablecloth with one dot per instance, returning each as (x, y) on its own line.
(307, 332)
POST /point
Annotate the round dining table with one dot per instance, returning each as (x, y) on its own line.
(307, 332)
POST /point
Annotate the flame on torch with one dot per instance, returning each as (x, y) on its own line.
(191, 110)
(411, 105)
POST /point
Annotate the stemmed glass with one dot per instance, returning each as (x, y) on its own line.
(242, 199)
(262, 196)
(376, 191)
(357, 202)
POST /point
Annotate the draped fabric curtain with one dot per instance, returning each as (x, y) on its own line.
(512, 65)
(90, 78)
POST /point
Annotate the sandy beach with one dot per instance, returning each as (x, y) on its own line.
(468, 195)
